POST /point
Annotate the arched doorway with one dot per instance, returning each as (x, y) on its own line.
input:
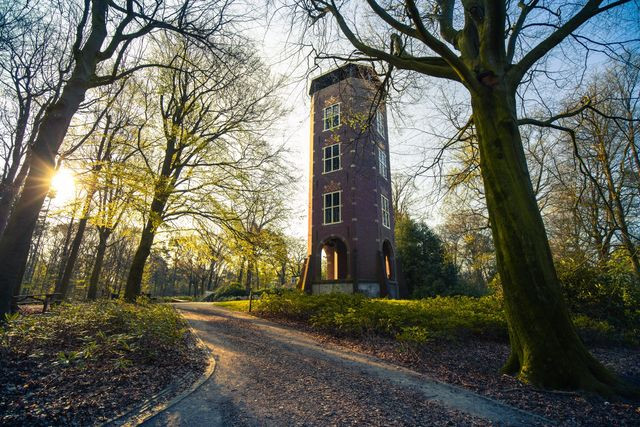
(389, 261)
(333, 260)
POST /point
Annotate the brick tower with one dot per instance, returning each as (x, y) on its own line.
(351, 243)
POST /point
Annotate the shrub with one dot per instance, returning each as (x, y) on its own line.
(406, 320)
(608, 292)
(414, 321)
(229, 292)
(127, 333)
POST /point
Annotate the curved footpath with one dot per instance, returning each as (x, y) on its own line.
(268, 374)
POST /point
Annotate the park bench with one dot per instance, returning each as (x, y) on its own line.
(44, 299)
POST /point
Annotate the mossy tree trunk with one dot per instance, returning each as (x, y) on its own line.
(483, 49)
(9, 194)
(545, 348)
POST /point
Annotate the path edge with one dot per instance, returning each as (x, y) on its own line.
(152, 406)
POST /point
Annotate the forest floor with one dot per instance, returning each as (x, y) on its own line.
(86, 365)
(473, 363)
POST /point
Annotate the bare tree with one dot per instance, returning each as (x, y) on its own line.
(403, 194)
(489, 47)
(260, 208)
(603, 139)
(33, 65)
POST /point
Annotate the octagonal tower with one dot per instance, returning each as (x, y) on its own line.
(351, 242)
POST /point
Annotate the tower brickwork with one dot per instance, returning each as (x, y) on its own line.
(351, 242)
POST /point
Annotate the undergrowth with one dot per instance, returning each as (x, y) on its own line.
(109, 330)
(412, 321)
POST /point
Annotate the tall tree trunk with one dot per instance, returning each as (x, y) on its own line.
(65, 249)
(62, 287)
(210, 275)
(30, 264)
(247, 283)
(241, 272)
(103, 236)
(10, 193)
(14, 243)
(545, 348)
(169, 174)
(134, 279)
(175, 275)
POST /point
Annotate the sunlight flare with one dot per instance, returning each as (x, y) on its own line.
(64, 185)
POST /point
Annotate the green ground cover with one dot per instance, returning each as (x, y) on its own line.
(105, 329)
(411, 320)
(240, 305)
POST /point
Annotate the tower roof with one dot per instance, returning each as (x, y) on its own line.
(343, 72)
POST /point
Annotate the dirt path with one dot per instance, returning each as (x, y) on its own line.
(267, 374)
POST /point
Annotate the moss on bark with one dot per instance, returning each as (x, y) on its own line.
(545, 348)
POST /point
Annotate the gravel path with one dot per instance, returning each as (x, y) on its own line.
(267, 374)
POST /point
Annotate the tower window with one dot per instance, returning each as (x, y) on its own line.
(331, 116)
(379, 123)
(331, 158)
(386, 217)
(382, 163)
(332, 206)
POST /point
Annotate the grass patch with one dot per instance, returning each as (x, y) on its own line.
(241, 305)
(413, 321)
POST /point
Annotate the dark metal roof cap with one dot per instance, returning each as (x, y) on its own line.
(343, 72)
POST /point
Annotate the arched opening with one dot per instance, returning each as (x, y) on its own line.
(389, 261)
(333, 262)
